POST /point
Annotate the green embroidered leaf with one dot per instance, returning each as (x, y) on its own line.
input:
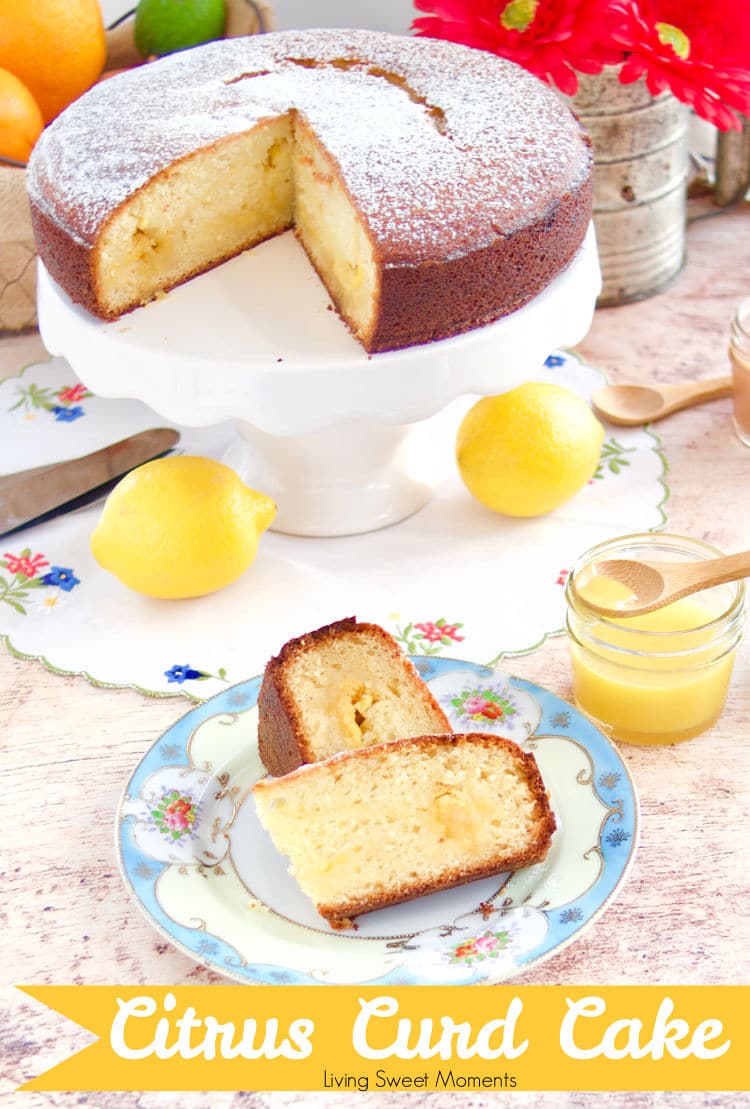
(222, 673)
(15, 605)
(446, 640)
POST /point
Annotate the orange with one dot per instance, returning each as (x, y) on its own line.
(21, 120)
(56, 47)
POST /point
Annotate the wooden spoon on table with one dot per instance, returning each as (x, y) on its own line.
(629, 405)
(656, 584)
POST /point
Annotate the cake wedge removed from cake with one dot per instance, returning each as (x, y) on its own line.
(342, 686)
(380, 825)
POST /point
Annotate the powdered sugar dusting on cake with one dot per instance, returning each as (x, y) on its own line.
(439, 145)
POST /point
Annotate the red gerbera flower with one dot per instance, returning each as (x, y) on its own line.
(699, 51)
(551, 38)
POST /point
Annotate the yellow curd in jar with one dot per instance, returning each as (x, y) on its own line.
(652, 679)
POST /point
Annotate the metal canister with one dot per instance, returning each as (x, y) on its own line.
(640, 183)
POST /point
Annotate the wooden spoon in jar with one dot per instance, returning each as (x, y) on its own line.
(629, 405)
(656, 584)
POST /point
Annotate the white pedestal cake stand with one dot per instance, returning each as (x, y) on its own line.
(324, 427)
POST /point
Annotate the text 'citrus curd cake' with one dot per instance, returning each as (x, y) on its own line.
(380, 825)
(345, 685)
(434, 187)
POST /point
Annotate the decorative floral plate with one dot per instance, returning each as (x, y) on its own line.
(208, 877)
(453, 578)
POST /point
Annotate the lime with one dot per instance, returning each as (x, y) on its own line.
(165, 26)
(527, 451)
(180, 526)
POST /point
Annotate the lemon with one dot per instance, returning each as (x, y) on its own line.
(526, 452)
(181, 526)
(165, 26)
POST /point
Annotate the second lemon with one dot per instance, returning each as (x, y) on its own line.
(180, 526)
(528, 451)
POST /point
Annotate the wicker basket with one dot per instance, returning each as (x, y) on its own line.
(17, 249)
(17, 253)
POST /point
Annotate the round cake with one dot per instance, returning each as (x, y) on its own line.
(434, 187)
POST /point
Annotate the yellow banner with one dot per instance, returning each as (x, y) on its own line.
(403, 1038)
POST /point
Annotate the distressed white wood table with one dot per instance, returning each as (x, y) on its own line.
(68, 748)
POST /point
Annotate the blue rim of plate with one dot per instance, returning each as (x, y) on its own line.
(607, 779)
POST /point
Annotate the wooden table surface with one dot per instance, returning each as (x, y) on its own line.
(68, 748)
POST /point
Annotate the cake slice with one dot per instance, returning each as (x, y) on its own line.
(379, 825)
(343, 686)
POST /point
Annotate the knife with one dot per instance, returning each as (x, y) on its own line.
(33, 496)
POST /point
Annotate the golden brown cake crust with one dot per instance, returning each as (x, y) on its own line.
(341, 915)
(282, 743)
(462, 293)
(475, 191)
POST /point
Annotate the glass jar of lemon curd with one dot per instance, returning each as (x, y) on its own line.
(661, 677)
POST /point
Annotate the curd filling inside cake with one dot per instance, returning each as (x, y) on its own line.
(378, 826)
(351, 695)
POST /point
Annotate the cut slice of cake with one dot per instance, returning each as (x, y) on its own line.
(380, 825)
(343, 686)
